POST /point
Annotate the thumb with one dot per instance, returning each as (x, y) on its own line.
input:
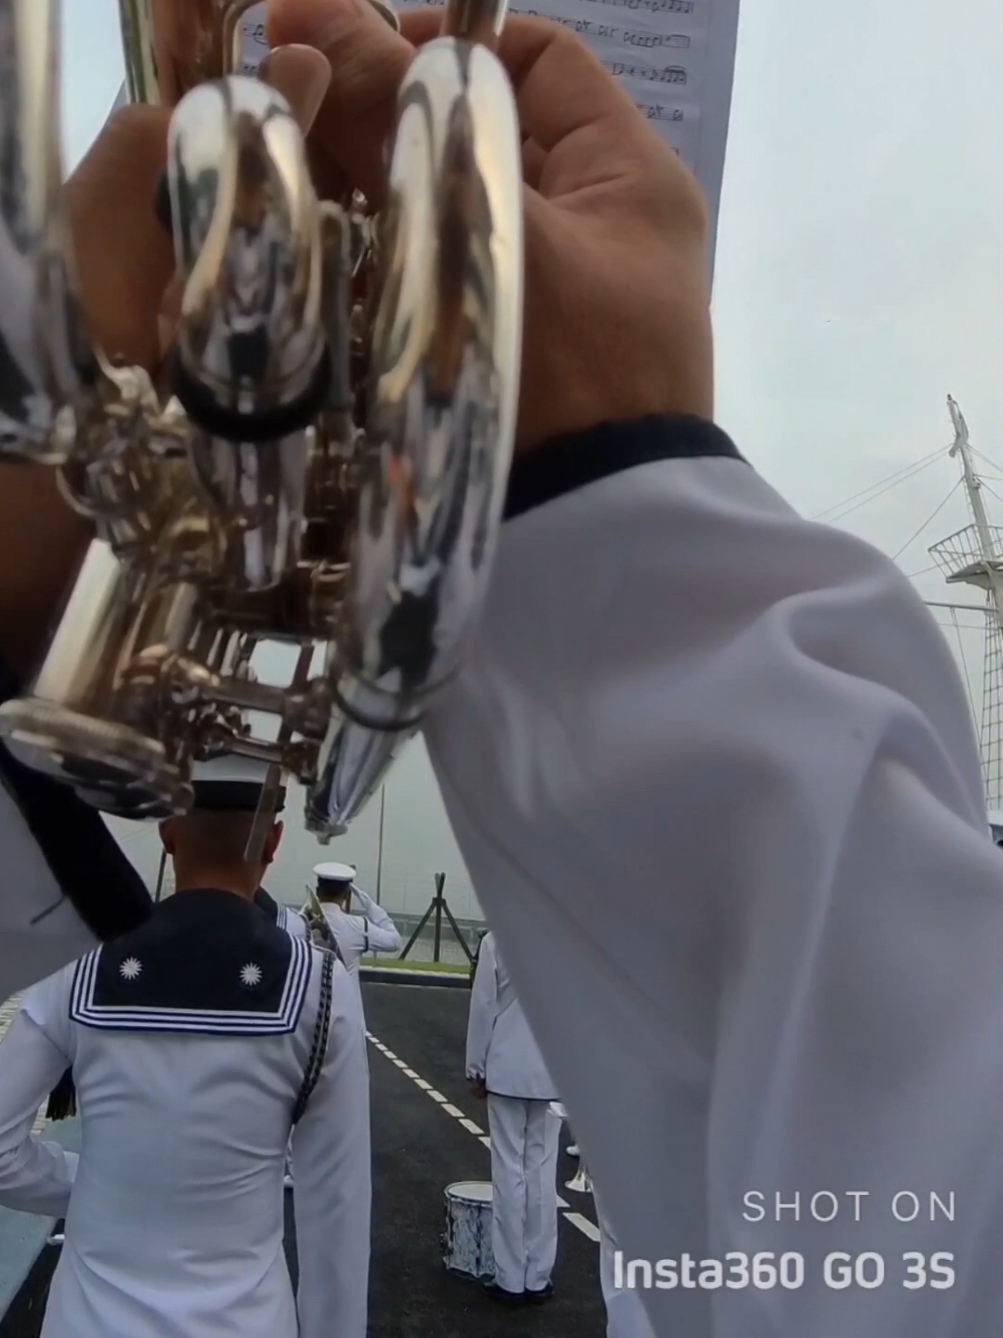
(368, 60)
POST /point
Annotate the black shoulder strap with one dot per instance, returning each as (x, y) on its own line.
(62, 1099)
(318, 1048)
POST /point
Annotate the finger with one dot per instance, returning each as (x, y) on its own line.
(421, 25)
(533, 162)
(303, 76)
(124, 259)
(330, 181)
(560, 86)
(368, 60)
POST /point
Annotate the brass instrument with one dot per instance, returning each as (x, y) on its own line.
(329, 466)
(581, 1181)
(313, 913)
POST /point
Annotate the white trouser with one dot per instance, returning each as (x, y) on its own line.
(626, 1316)
(524, 1138)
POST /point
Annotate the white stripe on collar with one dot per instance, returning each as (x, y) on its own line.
(215, 1021)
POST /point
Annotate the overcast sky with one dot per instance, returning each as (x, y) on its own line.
(859, 272)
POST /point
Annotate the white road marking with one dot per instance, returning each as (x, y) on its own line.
(583, 1224)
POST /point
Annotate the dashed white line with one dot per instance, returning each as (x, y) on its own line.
(583, 1224)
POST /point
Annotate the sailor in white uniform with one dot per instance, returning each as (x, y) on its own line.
(293, 923)
(678, 687)
(355, 935)
(350, 936)
(196, 1043)
(504, 1064)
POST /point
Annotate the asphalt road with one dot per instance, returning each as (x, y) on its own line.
(418, 1149)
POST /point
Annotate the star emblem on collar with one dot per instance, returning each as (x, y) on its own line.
(130, 969)
(250, 974)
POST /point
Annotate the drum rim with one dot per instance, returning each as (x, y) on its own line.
(453, 1192)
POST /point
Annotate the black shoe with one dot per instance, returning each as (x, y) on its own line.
(502, 1296)
(540, 1296)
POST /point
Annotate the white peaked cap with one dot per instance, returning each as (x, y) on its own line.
(230, 767)
(335, 873)
(231, 782)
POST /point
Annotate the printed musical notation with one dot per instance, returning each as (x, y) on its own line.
(252, 26)
(675, 59)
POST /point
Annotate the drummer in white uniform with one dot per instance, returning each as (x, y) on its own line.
(196, 1042)
(505, 1065)
(355, 935)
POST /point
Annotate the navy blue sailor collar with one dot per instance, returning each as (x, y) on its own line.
(205, 961)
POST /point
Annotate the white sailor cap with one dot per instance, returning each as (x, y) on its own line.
(334, 873)
(232, 783)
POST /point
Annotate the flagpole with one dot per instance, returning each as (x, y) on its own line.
(379, 856)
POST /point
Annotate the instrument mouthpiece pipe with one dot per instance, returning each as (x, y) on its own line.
(479, 21)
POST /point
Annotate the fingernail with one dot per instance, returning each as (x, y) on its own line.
(303, 76)
(162, 203)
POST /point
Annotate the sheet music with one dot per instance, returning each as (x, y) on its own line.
(675, 59)
(252, 26)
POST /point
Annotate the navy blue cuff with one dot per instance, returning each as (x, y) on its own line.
(567, 463)
(85, 859)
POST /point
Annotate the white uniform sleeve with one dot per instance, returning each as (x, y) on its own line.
(296, 925)
(35, 1176)
(56, 905)
(332, 1170)
(39, 929)
(483, 1010)
(348, 932)
(383, 935)
(712, 770)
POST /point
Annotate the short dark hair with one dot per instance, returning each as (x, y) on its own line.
(213, 837)
(333, 889)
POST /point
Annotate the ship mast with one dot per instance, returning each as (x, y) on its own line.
(974, 556)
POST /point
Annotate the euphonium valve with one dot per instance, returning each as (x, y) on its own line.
(327, 466)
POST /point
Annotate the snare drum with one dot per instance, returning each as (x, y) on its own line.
(467, 1241)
